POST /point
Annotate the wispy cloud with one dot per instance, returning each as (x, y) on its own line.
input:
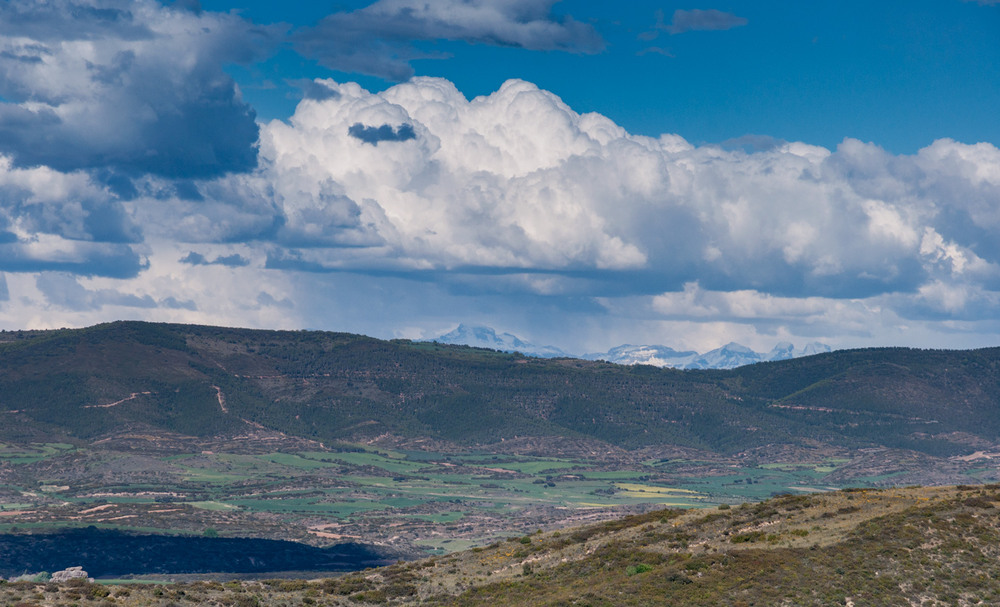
(693, 20)
(703, 20)
(382, 39)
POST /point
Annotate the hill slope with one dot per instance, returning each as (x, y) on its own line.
(893, 547)
(914, 546)
(204, 381)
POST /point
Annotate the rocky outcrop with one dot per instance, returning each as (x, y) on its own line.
(70, 574)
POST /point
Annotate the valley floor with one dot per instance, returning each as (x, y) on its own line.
(909, 546)
(413, 502)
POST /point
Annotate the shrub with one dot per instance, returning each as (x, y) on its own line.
(370, 596)
(246, 601)
(636, 569)
(978, 502)
(748, 537)
(291, 585)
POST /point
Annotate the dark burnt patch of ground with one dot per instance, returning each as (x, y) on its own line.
(111, 553)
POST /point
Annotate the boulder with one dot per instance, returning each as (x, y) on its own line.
(69, 574)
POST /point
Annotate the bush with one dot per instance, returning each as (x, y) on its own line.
(246, 601)
(370, 596)
(749, 537)
(978, 502)
(636, 569)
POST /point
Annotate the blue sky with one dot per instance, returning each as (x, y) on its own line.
(900, 74)
(580, 173)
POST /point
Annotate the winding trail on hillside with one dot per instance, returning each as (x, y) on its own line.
(132, 396)
(222, 399)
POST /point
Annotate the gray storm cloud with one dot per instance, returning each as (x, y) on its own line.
(130, 86)
(380, 38)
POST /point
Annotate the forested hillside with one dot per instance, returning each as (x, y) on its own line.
(81, 385)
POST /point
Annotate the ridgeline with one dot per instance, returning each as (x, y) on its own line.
(94, 383)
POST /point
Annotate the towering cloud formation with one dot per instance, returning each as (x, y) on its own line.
(517, 181)
(515, 196)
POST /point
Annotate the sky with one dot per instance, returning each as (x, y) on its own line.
(580, 173)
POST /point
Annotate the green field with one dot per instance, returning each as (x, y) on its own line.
(443, 501)
(30, 454)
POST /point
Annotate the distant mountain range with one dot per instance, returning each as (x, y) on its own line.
(730, 356)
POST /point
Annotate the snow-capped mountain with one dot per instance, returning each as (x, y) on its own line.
(785, 350)
(730, 356)
(658, 356)
(485, 337)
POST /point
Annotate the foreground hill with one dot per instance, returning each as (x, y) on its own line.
(95, 383)
(913, 546)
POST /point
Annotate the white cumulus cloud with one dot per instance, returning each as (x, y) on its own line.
(516, 207)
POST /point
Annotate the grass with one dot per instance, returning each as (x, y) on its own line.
(33, 453)
(57, 525)
(201, 475)
(612, 475)
(295, 461)
(212, 505)
(393, 465)
(445, 545)
(534, 467)
(304, 506)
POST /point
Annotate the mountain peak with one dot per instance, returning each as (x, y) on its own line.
(729, 356)
(486, 337)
